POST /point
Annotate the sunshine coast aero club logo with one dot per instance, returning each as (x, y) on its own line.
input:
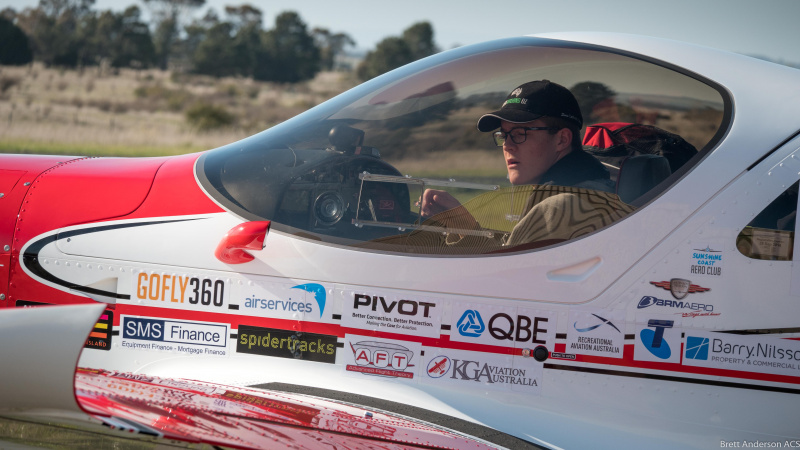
(706, 261)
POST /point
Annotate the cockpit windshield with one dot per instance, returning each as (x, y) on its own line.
(355, 170)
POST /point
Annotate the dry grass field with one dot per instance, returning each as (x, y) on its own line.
(98, 111)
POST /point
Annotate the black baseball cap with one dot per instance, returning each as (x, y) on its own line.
(531, 101)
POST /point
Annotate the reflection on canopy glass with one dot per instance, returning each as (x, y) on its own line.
(353, 170)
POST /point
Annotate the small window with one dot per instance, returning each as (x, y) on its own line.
(770, 235)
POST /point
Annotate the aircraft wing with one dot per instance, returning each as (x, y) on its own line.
(43, 386)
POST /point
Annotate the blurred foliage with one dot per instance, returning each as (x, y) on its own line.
(14, 46)
(69, 33)
(207, 116)
(393, 52)
(165, 98)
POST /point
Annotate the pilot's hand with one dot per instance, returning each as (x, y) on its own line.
(435, 202)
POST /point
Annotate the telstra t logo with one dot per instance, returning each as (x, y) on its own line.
(653, 340)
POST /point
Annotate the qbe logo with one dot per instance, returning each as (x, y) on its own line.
(174, 335)
(697, 348)
(471, 324)
(511, 326)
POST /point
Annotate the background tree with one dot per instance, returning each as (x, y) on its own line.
(419, 38)
(119, 39)
(14, 47)
(169, 17)
(248, 39)
(55, 29)
(389, 54)
(135, 43)
(242, 16)
(330, 46)
(215, 53)
(9, 14)
(393, 52)
(293, 54)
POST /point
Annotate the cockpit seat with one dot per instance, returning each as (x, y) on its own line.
(638, 174)
(644, 155)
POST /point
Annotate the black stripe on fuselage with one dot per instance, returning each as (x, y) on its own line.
(31, 255)
(672, 378)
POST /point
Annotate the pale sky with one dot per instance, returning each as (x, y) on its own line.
(754, 27)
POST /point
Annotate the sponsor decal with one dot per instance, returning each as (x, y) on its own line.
(470, 324)
(508, 327)
(595, 334)
(696, 347)
(658, 339)
(27, 304)
(194, 338)
(653, 338)
(686, 309)
(318, 291)
(746, 353)
(285, 301)
(100, 336)
(484, 370)
(381, 357)
(439, 366)
(167, 382)
(180, 291)
(395, 314)
(286, 344)
(679, 287)
(706, 261)
(298, 412)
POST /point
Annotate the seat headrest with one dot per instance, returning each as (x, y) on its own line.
(638, 174)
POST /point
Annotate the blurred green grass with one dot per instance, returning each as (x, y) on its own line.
(92, 149)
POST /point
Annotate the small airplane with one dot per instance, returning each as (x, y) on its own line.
(289, 289)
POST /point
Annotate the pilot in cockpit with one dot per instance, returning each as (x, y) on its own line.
(538, 127)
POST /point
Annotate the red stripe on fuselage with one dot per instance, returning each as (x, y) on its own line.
(443, 341)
